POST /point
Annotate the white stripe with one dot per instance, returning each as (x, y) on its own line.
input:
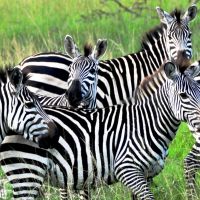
(47, 64)
(21, 154)
(25, 175)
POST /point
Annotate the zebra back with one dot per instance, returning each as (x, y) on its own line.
(119, 77)
(46, 72)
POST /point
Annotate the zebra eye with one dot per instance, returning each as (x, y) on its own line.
(29, 104)
(170, 37)
(92, 71)
(183, 95)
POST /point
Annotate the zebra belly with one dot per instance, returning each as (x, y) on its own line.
(66, 173)
(60, 179)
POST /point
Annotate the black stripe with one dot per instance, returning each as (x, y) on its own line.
(55, 72)
(52, 57)
(46, 87)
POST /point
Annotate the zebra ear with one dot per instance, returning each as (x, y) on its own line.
(70, 47)
(193, 70)
(16, 78)
(99, 49)
(170, 70)
(165, 17)
(190, 14)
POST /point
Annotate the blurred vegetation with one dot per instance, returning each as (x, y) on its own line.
(31, 26)
(34, 26)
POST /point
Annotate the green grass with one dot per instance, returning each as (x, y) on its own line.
(33, 26)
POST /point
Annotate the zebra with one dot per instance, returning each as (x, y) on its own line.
(21, 112)
(125, 142)
(118, 77)
(81, 85)
(46, 73)
(192, 160)
(82, 81)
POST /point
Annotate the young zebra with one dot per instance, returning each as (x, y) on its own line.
(81, 86)
(125, 142)
(118, 77)
(21, 112)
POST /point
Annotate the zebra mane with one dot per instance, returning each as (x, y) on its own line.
(152, 80)
(155, 33)
(176, 13)
(87, 49)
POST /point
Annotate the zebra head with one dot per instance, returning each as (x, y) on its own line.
(22, 113)
(184, 94)
(197, 73)
(178, 34)
(82, 81)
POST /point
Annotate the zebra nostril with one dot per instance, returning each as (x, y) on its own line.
(74, 99)
(74, 93)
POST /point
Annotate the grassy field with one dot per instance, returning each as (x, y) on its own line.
(33, 26)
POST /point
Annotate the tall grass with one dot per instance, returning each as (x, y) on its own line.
(40, 25)
(33, 26)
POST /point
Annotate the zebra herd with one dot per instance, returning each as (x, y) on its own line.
(107, 121)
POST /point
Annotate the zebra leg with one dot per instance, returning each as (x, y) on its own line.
(25, 173)
(26, 185)
(136, 181)
(83, 194)
(134, 197)
(63, 193)
(191, 165)
(149, 182)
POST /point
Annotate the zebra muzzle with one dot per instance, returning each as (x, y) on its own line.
(50, 139)
(74, 94)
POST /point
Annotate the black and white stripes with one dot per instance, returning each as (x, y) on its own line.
(21, 112)
(124, 142)
(46, 72)
(81, 85)
(118, 81)
(119, 77)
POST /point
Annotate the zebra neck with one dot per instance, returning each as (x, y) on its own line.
(154, 44)
(155, 125)
(152, 36)
(154, 94)
(60, 100)
(149, 86)
(143, 63)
